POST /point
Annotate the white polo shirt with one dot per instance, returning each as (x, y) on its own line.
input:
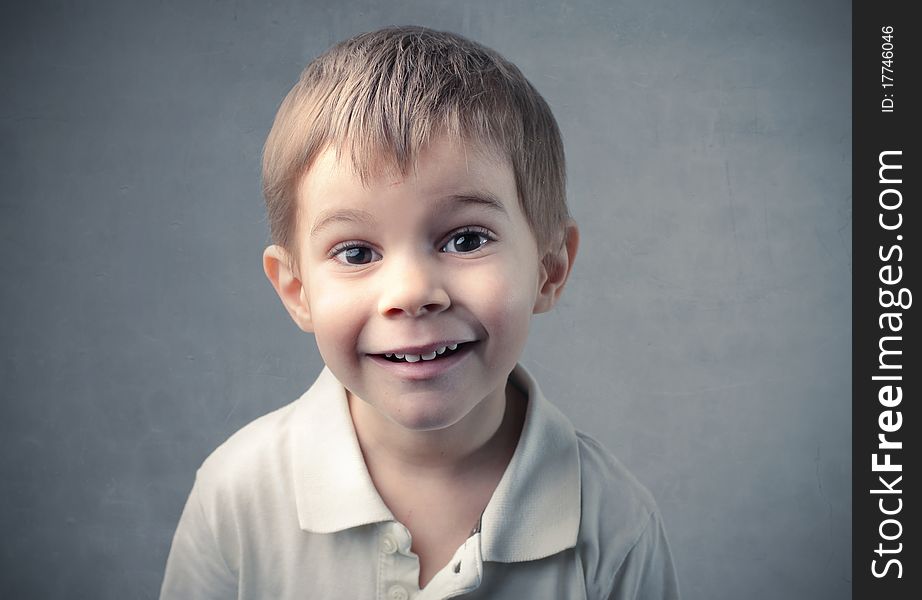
(285, 508)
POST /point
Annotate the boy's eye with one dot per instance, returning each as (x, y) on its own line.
(466, 241)
(356, 255)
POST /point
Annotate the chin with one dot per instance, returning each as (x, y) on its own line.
(417, 417)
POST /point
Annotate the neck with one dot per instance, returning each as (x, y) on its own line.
(487, 434)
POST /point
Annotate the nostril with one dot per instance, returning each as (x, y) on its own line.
(406, 298)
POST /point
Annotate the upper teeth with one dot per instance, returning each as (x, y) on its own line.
(418, 357)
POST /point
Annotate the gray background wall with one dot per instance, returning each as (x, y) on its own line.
(705, 335)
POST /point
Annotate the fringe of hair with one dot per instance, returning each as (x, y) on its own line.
(381, 96)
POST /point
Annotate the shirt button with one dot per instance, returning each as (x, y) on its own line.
(389, 544)
(397, 592)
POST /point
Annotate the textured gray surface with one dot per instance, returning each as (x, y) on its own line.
(705, 336)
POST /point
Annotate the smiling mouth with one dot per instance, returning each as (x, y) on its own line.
(438, 353)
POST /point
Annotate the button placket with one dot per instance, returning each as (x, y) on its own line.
(388, 544)
(398, 573)
(397, 592)
(462, 575)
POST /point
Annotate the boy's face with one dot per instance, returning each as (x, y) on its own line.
(438, 267)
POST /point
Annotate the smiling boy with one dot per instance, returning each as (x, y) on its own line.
(415, 188)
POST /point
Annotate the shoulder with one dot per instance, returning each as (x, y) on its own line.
(621, 534)
(243, 477)
(609, 490)
(255, 458)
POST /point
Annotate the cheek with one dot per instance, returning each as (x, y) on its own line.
(506, 301)
(336, 315)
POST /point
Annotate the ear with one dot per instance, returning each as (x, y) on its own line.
(280, 270)
(556, 266)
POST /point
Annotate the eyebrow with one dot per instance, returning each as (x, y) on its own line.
(340, 215)
(476, 198)
(351, 215)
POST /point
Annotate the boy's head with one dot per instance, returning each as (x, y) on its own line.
(379, 97)
(416, 193)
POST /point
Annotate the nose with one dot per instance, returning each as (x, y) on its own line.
(413, 287)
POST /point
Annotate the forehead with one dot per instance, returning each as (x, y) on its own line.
(441, 168)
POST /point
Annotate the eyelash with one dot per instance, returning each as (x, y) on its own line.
(351, 245)
(481, 231)
(471, 229)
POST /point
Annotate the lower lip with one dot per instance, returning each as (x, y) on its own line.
(423, 369)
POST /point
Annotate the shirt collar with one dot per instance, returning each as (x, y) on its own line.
(535, 510)
(533, 513)
(333, 489)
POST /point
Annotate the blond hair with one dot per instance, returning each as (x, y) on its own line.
(380, 96)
